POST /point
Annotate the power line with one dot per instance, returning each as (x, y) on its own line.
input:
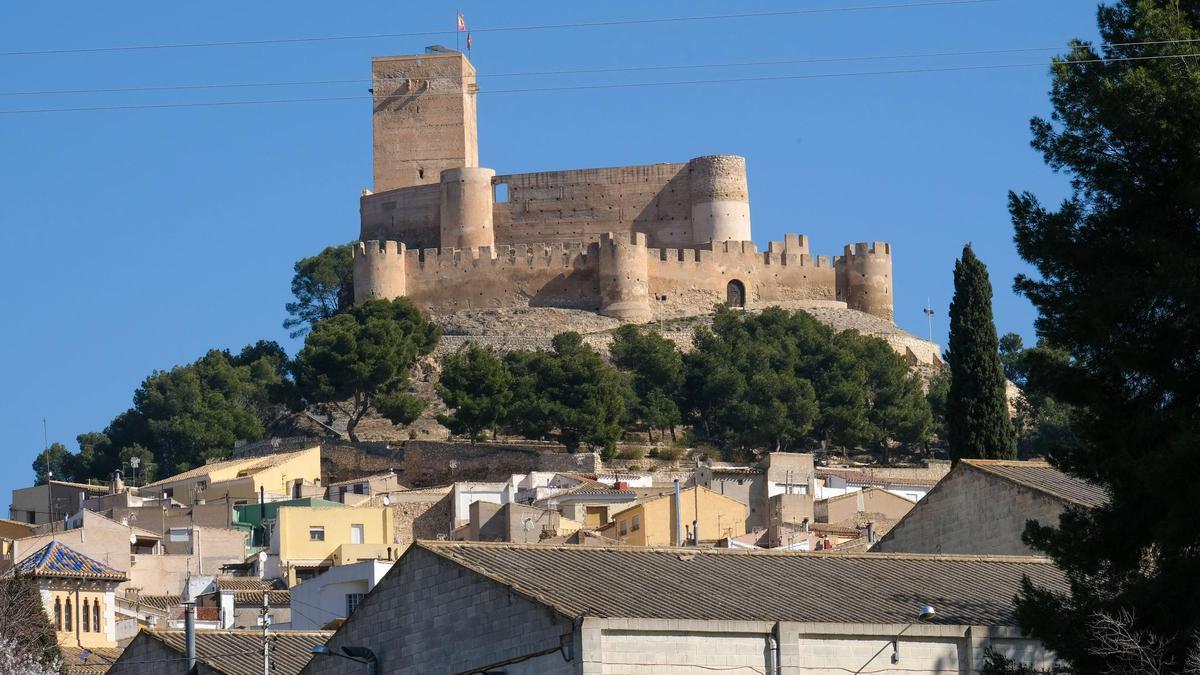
(501, 29)
(593, 71)
(585, 87)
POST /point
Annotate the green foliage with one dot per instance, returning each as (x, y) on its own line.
(936, 395)
(54, 460)
(360, 360)
(785, 381)
(589, 398)
(977, 417)
(323, 286)
(184, 416)
(1117, 290)
(25, 629)
(1043, 424)
(657, 369)
(478, 389)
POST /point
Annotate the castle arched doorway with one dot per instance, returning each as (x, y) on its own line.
(735, 294)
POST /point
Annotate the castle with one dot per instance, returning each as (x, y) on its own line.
(634, 243)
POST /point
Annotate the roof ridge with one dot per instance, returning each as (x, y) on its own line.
(438, 547)
(1008, 462)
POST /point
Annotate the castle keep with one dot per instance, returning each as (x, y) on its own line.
(634, 242)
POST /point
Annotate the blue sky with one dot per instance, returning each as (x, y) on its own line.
(135, 240)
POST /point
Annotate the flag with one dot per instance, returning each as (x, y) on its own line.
(468, 42)
(462, 23)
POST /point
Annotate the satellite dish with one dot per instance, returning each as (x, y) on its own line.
(387, 501)
(262, 557)
(135, 462)
(132, 539)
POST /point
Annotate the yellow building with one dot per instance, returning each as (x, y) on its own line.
(284, 475)
(78, 593)
(652, 523)
(307, 540)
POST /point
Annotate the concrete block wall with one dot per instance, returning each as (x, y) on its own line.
(970, 511)
(431, 616)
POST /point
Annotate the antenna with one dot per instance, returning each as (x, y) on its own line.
(928, 311)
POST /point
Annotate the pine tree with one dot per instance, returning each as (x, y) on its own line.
(1118, 290)
(977, 418)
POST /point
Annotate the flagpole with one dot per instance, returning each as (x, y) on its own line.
(457, 30)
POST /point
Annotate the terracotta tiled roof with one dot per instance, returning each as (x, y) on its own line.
(93, 661)
(235, 652)
(246, 584)
(163, 603)
(710, 584)
(1044, 478)
(57, 560)
(254, 598)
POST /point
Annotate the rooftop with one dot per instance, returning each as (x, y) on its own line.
(1044, 478)
(59, 561)
(787, 586)
(248, 464)
(233, 652)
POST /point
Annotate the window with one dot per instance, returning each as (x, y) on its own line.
(168, 493)
(352, 602)
(67, 617)
(623, 528)
(360, 488)
(637, 523)
(342, 494)
(177, 534)
(85, 617)
(356, 534)
(58, 613)
(96, 616)
(501, 195)
(316, 533)
(201, 484)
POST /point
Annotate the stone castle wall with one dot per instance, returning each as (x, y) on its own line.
(640, 283)
(633, 242)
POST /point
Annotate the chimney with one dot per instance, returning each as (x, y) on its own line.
(117, 486)
(870, 532)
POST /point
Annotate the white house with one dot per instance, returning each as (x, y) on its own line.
(334, 594)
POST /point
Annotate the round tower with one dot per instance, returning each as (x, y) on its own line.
(624, 277)
(466, 211)
(379, 270)
(864, 278)
(720, 199)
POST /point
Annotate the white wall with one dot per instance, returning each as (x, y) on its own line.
(322, 599)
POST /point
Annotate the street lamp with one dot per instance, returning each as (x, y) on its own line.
(925, 613)
(356, 654)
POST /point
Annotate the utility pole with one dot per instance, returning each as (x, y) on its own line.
(265, 620)
(929, 317)
(49, 476)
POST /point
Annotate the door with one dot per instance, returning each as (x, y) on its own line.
(356, 534)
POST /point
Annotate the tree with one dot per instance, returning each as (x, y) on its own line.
(1012, 358)
(657, 369)
(1116, 290)
(477, 387)
(977, 417)
(28, 645)
(936, 395)
(569, 394)
(54, 459)
(323, 286)
(360, 360)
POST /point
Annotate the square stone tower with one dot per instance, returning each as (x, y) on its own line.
(424, 117)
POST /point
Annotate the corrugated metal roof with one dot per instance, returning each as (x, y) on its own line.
(238, 652)
(710, 584)
(57, 560)
(1044, 478)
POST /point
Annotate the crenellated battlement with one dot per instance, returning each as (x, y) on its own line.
(864, 278)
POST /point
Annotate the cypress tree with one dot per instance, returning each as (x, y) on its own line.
(977, 419)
